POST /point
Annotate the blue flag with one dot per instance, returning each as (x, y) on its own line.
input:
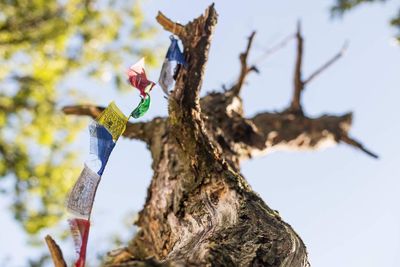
(174, 52)
(101, 146)
(173, 61)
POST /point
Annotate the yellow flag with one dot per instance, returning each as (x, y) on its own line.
(113, 120)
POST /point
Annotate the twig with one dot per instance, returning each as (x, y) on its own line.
(87, 110)
(297, 81)
(327, 64)
(55, 252)
(245, 69)
(173, 27)
(352, 142)
(274, 48)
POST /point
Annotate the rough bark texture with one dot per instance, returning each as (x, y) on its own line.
(199, 210)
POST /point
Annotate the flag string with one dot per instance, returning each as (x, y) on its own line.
(104, 132)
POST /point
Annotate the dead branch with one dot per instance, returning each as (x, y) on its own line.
(298, 81)
(245, 69)
(274, 48)
(55, 252)
(85, 110)
(173, 27)
(327, 64)
(354, 143)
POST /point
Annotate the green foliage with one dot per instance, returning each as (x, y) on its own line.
(346, 5)
(342, 6)
(42, 42)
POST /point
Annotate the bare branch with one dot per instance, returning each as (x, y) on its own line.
(274, 48)
(352, 142)
(245, 69)
(55, 252)
(86, 110)
(171, 26)
(327, 64)
(133, 130)
(297, 81)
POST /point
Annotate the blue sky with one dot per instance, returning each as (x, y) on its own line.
(342, 203)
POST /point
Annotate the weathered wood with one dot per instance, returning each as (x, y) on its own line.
(55, 252)
(200, 211)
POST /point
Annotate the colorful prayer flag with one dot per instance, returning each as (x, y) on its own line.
(174, 59)
(80, 235)
(80, 200)
(113, 120)
(138, 79)
(142, 108)
(174, 53)
(101, 146)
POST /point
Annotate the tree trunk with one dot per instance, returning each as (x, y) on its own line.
(200, 211)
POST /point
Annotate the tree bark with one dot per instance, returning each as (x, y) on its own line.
(200, 211)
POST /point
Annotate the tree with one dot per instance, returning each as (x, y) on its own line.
(200, 210)
(42, 44)
(343, 6)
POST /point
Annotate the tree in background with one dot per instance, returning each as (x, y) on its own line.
(343, 6)
(42, 44)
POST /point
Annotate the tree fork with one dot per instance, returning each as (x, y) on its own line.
(199, 210)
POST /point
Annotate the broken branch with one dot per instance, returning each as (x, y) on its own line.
(169, 25)
(86, 110)
(245, 69)
(354, 143)
(55, 252)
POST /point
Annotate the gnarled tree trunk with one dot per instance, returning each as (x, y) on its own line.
(200, 211)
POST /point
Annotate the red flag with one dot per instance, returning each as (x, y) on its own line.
(80, 235)
(137, 78)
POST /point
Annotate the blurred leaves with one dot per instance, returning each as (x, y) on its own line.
(343, 6)
(42, 43)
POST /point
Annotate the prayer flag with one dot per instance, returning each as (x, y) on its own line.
(80, 200)
(80, 235)
(101, 146)
(174, 59)
(138, 79)
(142, 108)
(174, 53)
(113, 120)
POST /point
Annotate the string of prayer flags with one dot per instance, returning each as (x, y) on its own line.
(142, 108)
(104, 133)
(173, 61)
(81, 198)
(113, 120)
(110, 124)
(138, 79)
(80, 235)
